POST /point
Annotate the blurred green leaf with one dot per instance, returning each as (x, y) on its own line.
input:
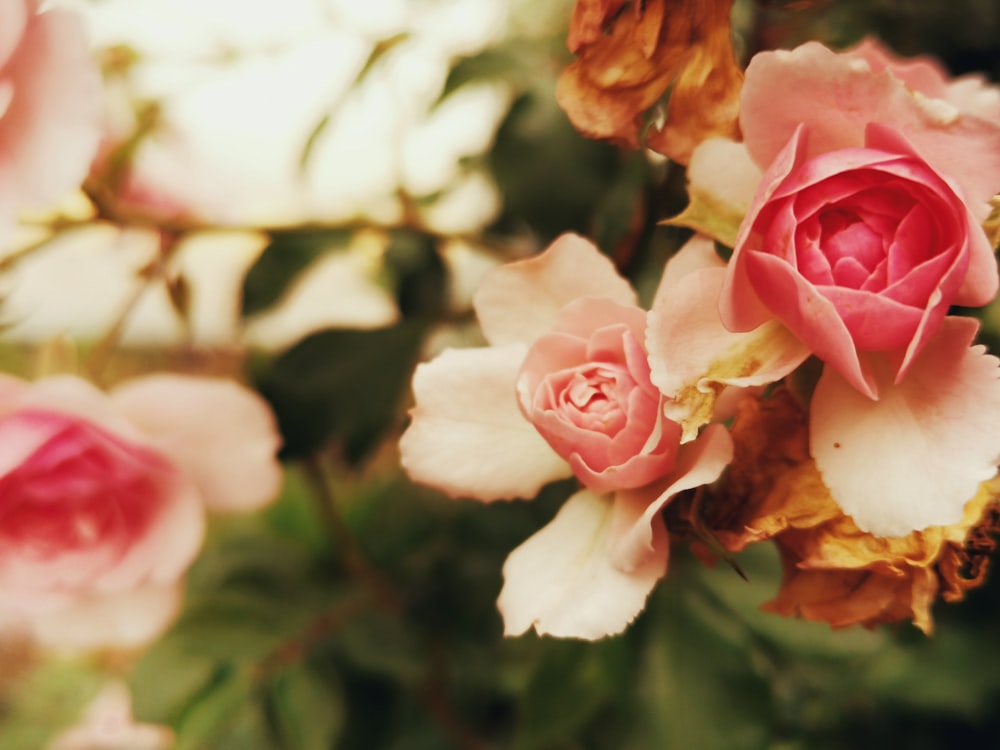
(226, 716)
(381, 643)
(45, 701)
(550, 176)
(697, 685)
(308, 708)
(416, 273)
(510, 63)
(571, 684)
(337, 384)
(285, 257)
(167, 679)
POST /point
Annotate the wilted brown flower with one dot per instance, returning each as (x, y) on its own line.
(630, 52)
(833, 571)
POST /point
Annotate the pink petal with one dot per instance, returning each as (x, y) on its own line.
(562, 581)
(124, 620)
(811, 317)
(73, 395)
(519, 301)
(692, 355)
(221, 433)
(168, 547)
(637, 514)
(913, 458)
(837, 96)
(923, 74)
(739, 305)
(50, 133)
(468, 437)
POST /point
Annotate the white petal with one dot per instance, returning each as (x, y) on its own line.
(562, 580)
(913, 458)
(468, 437)
(519, 301)
(692, 355)
(222, 433)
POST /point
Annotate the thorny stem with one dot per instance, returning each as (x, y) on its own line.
(434, 689)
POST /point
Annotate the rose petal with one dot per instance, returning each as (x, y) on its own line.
(722, 179)
(692, 355)
(811, 317)
(637, 514)
(837, 96)
(913, 458)
(223, 434)
(50, 133)
(125, 620)
(468, 436)
(562, 581)
(519, 301)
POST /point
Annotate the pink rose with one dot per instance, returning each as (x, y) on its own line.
(563, 389)
(104, 495)
(585, 386)
(50, 105)
(865, 227)
(872, 177)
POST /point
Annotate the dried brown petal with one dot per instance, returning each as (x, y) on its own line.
(631, 53)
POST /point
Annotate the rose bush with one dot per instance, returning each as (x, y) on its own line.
(50, 105)
(103, 497)
(563, 390)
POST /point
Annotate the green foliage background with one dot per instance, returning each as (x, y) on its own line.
(358, 612)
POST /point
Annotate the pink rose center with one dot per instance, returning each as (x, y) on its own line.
(870, 229)
(75, 504)
(596, 397)
(586, 389)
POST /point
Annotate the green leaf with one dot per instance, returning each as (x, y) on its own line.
(285, 257)
(572, 684)
(168, 678)
(341, 384)
(550, 176)
(308, 708)
(506, 63)
(226, 716)
(45, 701)
(380, 643)
(417, 273)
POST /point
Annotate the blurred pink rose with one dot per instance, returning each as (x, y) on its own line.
(103, 497)
(585, 386)
(865, 227)
(50, 105)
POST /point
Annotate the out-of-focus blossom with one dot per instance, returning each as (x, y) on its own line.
(563, 389)
(104, 497)
(863, 231)
(50, 105)
(629, 53)
(108, 724)
(834, 571)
